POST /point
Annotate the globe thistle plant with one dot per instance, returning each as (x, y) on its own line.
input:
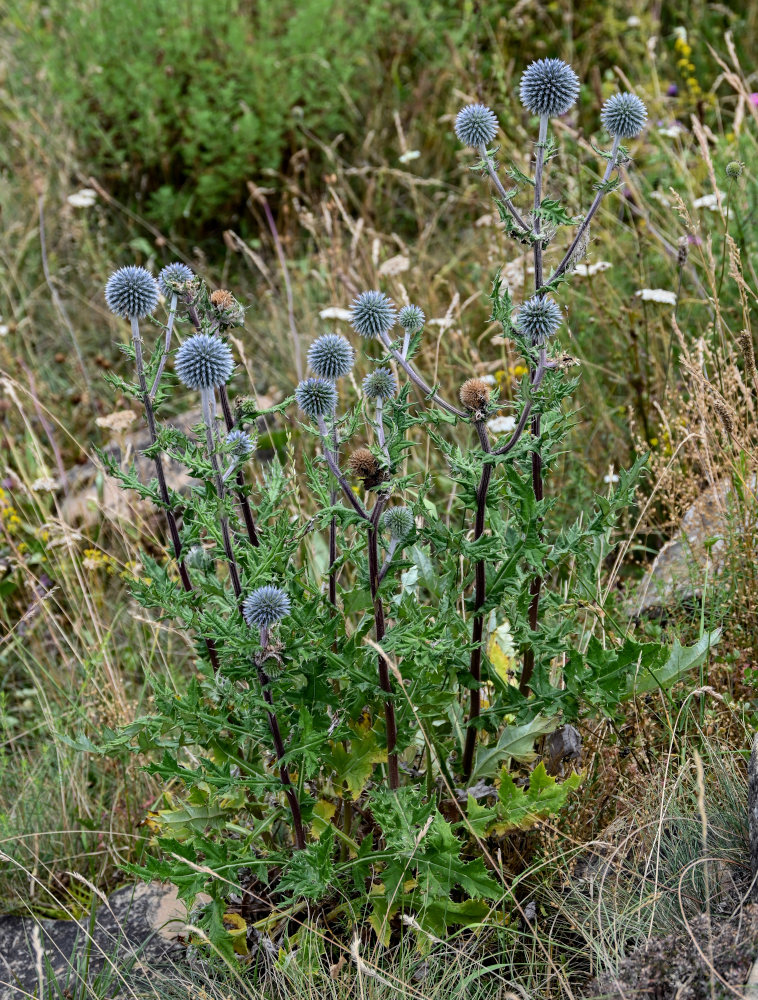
(412, 319)
(372, 314)
(131, 292)
(266, 606)
(227, 310)
(475, 396)
(476, 125)
(204, 362)
(240, 443)
(380, 384)
(173, 278)
(331, 356)
(364, 465)
(399, 522)
(538, 319)
(549, 87)
(171, 281)
(623, 116)
(316, 397)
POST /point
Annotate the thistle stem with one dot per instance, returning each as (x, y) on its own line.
(207, 399)
(416, 378)
(480, 595)
(379, 627)
(501, 190)
(406, 343)
(333, 528)
(166, 347)
(331, 462)
(588, 217)
(276, 735)
(173, 529)
(242, 498)
(388, 558)
(379, 424)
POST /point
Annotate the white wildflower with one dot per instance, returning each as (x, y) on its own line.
(672, 131)
(395, 265)
(587, 270)
(117, 422)
(45, 484)
(489, 380)
(657, 295)
(661, 197)
(710, 201)
(409, 155)
(335, 312)
(502, 425)
(85, 198)
(633, 21)
(611, 477)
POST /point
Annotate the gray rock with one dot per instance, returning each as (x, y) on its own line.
(678, 570)
(135, 931)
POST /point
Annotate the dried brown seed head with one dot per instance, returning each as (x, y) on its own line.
(227, 308)
(475, 395)
(364, 466)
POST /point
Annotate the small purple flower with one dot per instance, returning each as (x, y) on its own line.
(673, 91)
(754, 99)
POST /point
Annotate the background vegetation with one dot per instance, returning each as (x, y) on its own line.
(298, 153)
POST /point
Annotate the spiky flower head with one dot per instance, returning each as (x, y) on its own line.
(131, 292)
(240, 443)
(364, 465)
(548, 87)
(331, 356)
(204, 361)
(266, 606)
(200, 559)
(476, 125)
(734, 169)
(173, 278)
(316, 397)
(411, 318)
(539, 318)
(372, 314)
(226, 308)
(399, 522)
(380, 384)
(475, 395)
(623, 115)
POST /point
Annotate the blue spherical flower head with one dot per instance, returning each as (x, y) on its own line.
(411, 318)
(316, 397)
(380, 384)
(476, 125)
(131, 292)
(204, 361)
(538, 319)
(266, 606)
(173, 278)
(372, 314)
(549, 87)
(399, 522)
(240, 443)
(623, 115)
(331, 356)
